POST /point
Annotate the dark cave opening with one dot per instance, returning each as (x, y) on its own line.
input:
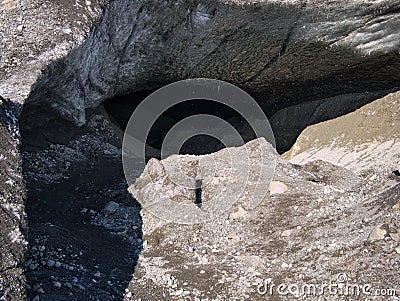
(121, 108)
(287, 123)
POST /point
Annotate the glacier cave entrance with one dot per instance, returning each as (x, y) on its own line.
(121, 108)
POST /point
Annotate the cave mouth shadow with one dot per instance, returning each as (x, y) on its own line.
(66, 196)
(287, 122)
(199, 142)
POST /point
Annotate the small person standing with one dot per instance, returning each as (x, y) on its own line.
(198, 200)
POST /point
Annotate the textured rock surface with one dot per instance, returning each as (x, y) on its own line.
(285, 52)
(289, 122)
(169, 186)
(12, 207)
(68, 189)
(316, 232)
(32, 33)
(365, 141)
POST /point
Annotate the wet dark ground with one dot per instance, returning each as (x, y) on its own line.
(95, 264)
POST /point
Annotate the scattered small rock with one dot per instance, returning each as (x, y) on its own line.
(251, 261)
(33, 266)
(67, 30)
(50, 263)
(110, 208)
(395, 236)
(277, 187)
(285, 265)
(28, 262)
(57, 284)
(111, 150)
(179, 292)
(378, 233)
(38, 289)
(170, 280)
(286, 233)
(241, 213)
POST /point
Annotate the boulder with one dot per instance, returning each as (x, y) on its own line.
(321, 223)
(277, 187)
(378, 233)
(167, 189)
(110, 208)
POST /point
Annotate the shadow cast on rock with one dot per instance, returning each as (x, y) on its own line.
(76, 251)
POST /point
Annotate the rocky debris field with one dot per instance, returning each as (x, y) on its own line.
(12, 206)
(329, 226)
(315, 223)
(84, 234)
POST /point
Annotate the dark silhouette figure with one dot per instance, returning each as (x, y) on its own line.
(198, 200)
